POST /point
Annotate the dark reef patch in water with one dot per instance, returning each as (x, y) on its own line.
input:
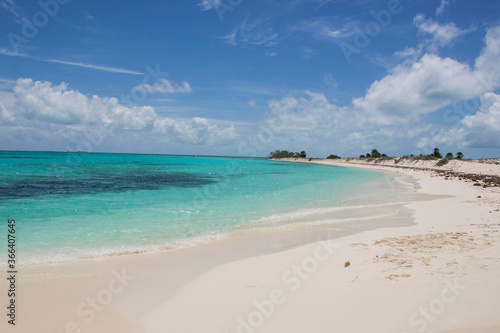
(134, 180)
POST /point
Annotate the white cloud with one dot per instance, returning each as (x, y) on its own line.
(409, 52)
(487, 65)
(330, 81)
(6, 84)
(441, 34)
(440, 9)
(164, 86)
(56, 104)
(311, 122)
(425, 85)
(9, 53)
(199, 131)
(99, 68)
(88, 16)
(435, 35)
(6, 117)
(422, 88)
(257, 32)
(68, 113)
(311, 115)
(209, 4)
(326, 29)
(230, 38)
(10, 6)
(483, 128)
(39, 100)
(480, 130)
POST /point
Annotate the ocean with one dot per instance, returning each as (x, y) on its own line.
(83, 205)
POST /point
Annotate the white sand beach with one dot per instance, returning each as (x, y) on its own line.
(441, 274)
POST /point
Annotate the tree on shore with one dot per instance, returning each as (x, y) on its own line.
(449, 156)
(332, 157)
(374, 154)
(286, 154)
(436, 153)
(460, 155)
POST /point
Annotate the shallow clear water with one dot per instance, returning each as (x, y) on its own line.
(74, 205)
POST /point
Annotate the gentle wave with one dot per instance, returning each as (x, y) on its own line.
(275, 218)
(54, 258)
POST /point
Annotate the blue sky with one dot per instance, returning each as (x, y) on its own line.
(237, 77)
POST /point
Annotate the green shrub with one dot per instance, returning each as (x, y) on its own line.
(442, 162)
(333, 157)
(426, 157)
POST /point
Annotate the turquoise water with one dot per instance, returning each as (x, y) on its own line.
(74, 205)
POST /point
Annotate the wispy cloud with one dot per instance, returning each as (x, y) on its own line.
(230, 38)
(209, 4)
(296, 4)
(443, 4)
(9, 53)
(258, 32)
(6, 84)
(82, 28)
(440, 34)
(330, 81)
(99, 68)
(325, 29)
(164, 86)
(8, 81)
(10, 6)
(88, 16)
(309, 53)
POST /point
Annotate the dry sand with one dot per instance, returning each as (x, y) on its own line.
(440, 274)
(477, 167)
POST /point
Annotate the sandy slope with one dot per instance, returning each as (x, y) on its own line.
(478, 167)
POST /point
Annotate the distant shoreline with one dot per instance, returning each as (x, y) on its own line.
(484, 172)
